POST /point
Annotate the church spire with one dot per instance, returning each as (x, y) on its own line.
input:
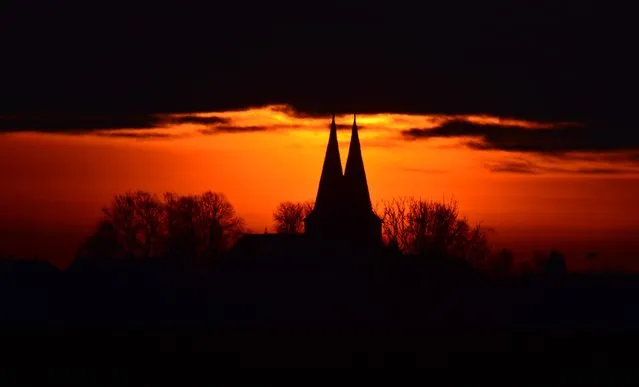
(343, 209)
(331, 178)
(354, 173)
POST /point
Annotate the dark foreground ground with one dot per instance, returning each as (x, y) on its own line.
(159, 319)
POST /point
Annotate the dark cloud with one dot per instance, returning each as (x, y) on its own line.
(521, 167)
(232, 129)
(630, 157)
(530, 168)
(292, 112)
(97, 123)
(245, 129)
(82, 123)
(557, 140)
(603, 171)
(77, 123)
(541, 61)
(200, 120)
(140, 135)
(305, 112)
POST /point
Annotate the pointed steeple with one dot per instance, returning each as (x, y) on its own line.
(331, 178)
(355, 174)
(343, 209)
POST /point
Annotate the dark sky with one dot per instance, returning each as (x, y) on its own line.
(533, 59)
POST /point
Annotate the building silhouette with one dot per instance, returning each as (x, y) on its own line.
(342, 222)
(343, 210)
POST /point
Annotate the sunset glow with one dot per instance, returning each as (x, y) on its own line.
(261, 156)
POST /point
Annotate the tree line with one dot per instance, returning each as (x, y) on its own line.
(140, 224)
(418, 227)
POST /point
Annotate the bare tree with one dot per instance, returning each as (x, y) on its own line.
(150, 214)
(136, 217)
(289, 216)
(219, 225)
(184, 226)
(181, 214)
(431, 228)
(478, 250)
(205, 224)
(121, 215)
(396, 226)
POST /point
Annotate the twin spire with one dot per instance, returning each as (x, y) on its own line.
(351, 186)
(343, 207)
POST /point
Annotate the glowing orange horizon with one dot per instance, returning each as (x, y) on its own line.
(50, 178)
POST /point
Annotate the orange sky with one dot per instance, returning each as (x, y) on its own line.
(55, 184)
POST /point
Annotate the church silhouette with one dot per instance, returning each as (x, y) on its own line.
(343, 209)
(342, 218)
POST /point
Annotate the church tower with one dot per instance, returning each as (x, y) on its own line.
(343, 209)
(328, 192)
(355, 181)
(365, 225)
(323, 221)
